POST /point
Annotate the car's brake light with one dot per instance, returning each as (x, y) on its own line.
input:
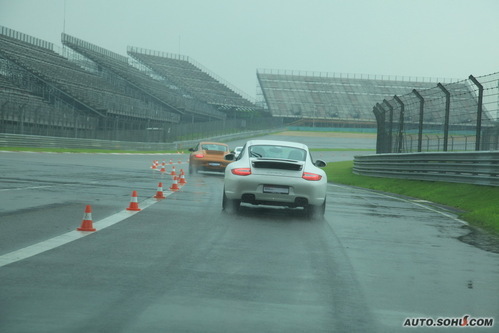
(241, 171)
(199, 155)
(311, 176)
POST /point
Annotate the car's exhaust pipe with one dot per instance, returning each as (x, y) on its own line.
(248, 197)
(301, 202)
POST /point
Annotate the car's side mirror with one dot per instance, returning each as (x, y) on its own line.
(230, 157)
(191, 149)
(320, 163)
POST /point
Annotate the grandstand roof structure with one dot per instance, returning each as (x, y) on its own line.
(191, 78)
(295, 94)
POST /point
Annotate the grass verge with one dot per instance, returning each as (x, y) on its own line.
(477, 203)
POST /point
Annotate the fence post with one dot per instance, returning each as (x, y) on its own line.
(401, 123)
(380, 134)
(22, 115)
(421, 114)
(390, 128)
(478, 112)
(382, 137)
(447, 114)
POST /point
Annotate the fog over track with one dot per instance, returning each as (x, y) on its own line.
(181, 264)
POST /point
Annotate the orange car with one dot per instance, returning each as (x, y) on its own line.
(208, 156)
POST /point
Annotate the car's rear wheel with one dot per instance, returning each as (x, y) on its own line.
(192, 169)
(316, 211)
(230, 205)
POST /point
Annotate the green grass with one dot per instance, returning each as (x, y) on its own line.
(83, 150)
(479, 204)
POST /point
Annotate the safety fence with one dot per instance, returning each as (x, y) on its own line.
(474, 167)
(38, 141)
(458, 116)
(24, 120)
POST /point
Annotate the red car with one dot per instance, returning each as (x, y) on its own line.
(208, 156)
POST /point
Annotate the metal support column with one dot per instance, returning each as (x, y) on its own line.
(421, 114)
(478, 112)
(447, 114)
(390, 126)
(401, 123)
(380, 120)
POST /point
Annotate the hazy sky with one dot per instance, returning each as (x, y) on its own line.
(234, 38)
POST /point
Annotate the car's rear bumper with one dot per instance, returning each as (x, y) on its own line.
(209, 165)
(300, 191)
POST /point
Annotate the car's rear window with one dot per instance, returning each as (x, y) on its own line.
(280, 152)
(214, 147)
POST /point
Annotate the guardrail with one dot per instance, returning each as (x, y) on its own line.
(39, 141)
(477, 167)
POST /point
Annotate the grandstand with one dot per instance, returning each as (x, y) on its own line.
(186, 75)
(84, 100)
(23, 112)
(160, 91)
(87, 91)
(329, 96)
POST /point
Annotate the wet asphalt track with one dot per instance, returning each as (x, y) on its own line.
(181, 265)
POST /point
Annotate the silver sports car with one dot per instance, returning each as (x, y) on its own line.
(278, 173)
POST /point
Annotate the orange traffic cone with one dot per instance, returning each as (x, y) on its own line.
(163, 169)
(86, 224)
(182, 179)
(154, 165)
(134, 205)
(159, 193)
(174, 186)
(173, 173)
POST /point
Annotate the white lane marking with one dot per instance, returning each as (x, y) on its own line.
(57, 241)
(25, 188)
